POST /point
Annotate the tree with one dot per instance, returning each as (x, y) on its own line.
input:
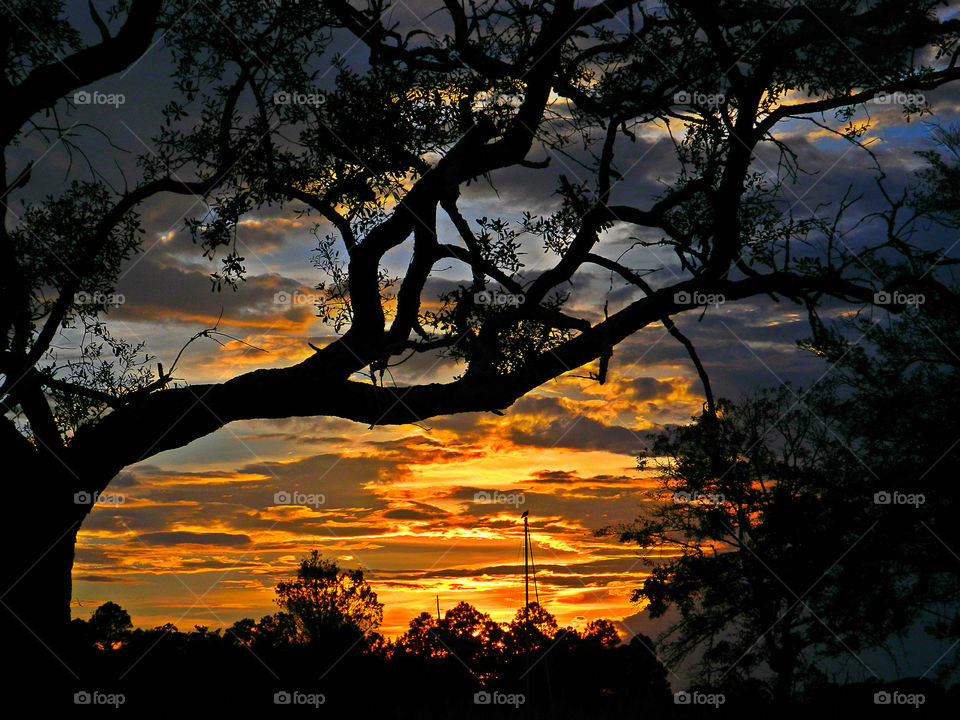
(898, 393)
(478, 92)
(532, 629)
(897, 382)
(110, 625)
(331, 606)
(466, 645)
(758, 541)
(602, 632)
(270, 631)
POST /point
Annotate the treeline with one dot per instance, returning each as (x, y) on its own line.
(321, 652)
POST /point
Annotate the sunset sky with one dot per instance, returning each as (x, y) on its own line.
(200, 539)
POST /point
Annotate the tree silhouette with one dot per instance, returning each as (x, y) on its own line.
(756, 541)
(898, 391)
(381, 155)
(270, 631)
(110, 625)
(330, 605)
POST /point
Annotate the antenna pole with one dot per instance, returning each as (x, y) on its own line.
(526, 566)
(438, 608)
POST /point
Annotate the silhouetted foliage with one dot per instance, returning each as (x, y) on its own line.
(379, 158)
(331, 606)
(433, 670)
(803, 525)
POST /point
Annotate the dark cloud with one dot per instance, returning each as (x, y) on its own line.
(417, 511)
(105, 579)
(648, 388)
(555, 477)
(562, 428)
(191, 538)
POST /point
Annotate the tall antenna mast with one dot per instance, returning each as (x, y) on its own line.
(526, 566)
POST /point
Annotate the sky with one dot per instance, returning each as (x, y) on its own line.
(201, 535)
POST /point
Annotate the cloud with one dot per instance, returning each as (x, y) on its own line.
(192, 538)
(547, 423)
(416, 511)
(110, 579)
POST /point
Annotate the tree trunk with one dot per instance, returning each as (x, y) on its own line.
(784, 664)
(37, 543)
(783, 689)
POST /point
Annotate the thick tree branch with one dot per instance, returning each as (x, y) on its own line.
(318, 386)
(45, 85)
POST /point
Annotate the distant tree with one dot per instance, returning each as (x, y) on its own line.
(421, 638)
(278, 630)
(465, 639)
(243, 631)
(472, 636)
(271, 631)
(110, 625)
(532, 629)
(602, 632)
(330, 605)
